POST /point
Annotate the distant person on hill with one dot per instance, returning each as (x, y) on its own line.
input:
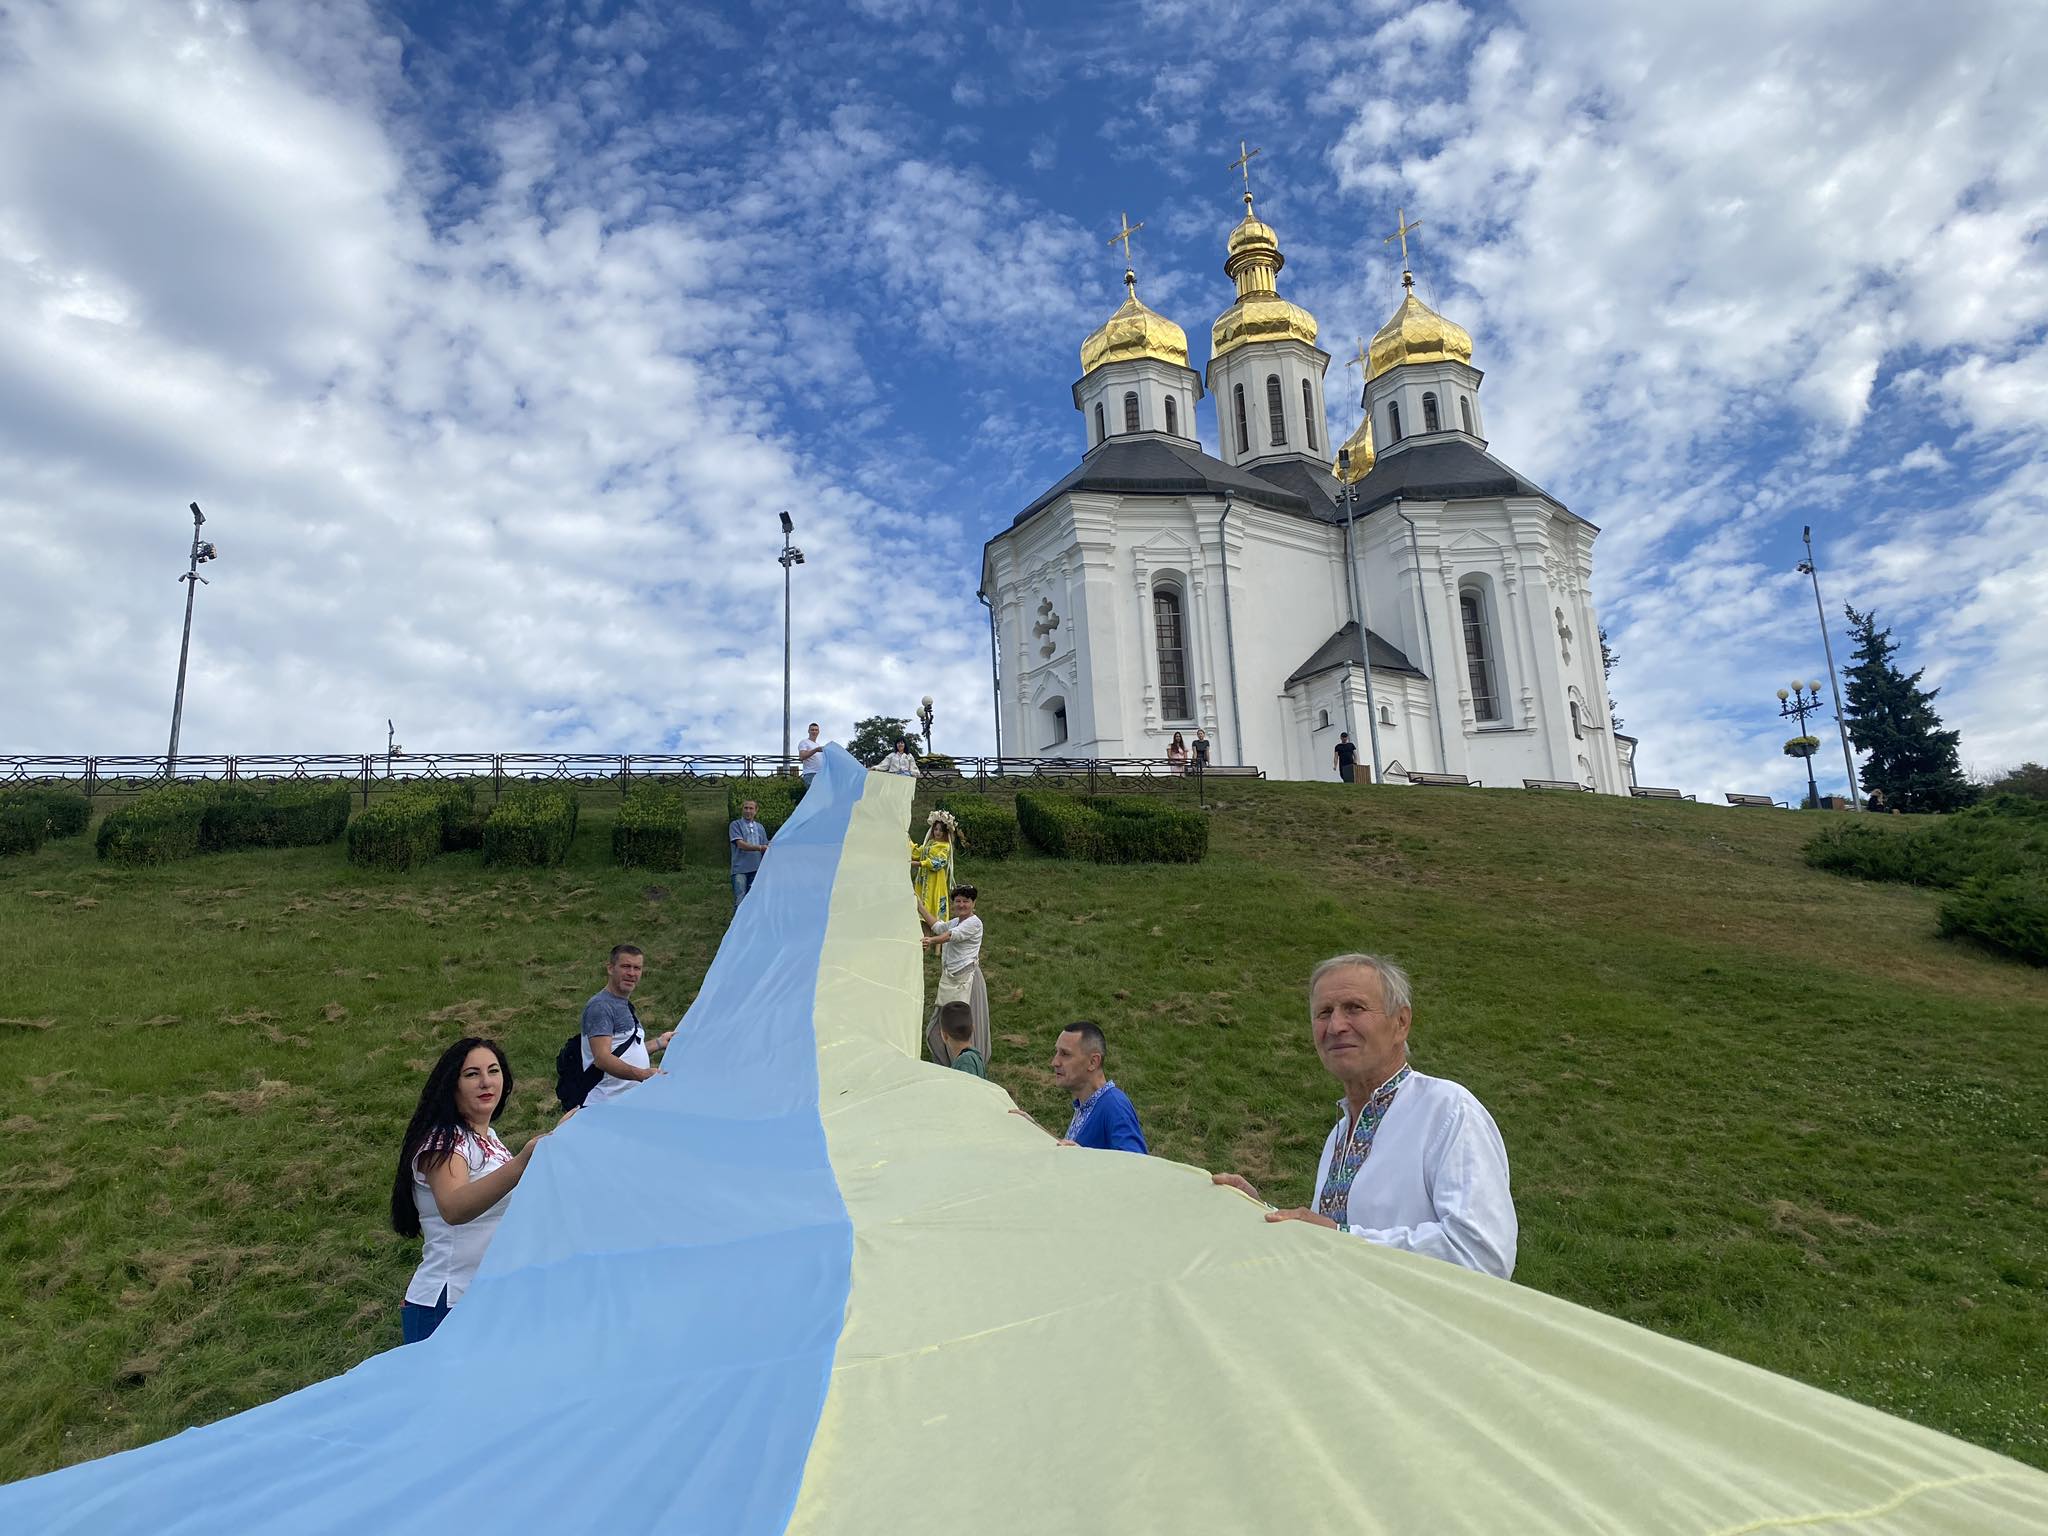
(810, 753)
(956, 1025)
(1177, 754)
(749, 842)
(958, 941)
(1200, 748)
(1104, 1116)
(454, 1177)
(613, 1041)
(1345, 756)
(1413, 1162)
(900, 761)
(932, 864)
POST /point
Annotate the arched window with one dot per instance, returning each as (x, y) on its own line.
(1322, 719)
(1100, 431)
(1172, 418)
(1169, 634)
(1055, 712)
(1478, 654)
(1130, 410)
(1394, 421)
(1430, 423)
(1308, 416)
(1244, 437)
(1581, 735)
(1273, 410)
(1386, 715)
(1465, 411)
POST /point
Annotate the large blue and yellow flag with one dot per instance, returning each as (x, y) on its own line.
(808, 1283)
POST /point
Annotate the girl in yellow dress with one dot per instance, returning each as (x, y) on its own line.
(932, 864)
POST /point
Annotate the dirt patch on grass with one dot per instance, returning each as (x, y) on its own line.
(46, 1180)
(162, 1021)
(334, 1013)
(1812, 1225)
(475, 1014)
(19, 1125)
(26, 1023)
(266, 1092)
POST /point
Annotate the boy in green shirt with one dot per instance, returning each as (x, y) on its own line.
(956, 1023)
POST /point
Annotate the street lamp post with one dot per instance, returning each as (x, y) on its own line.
(1796, 703)
(924, 718)
(201, 553)
(790, 556)
(1834, 683)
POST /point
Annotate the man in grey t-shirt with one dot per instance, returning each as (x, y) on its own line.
(612, 1036)
(749, 841)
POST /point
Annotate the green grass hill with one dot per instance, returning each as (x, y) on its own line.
(1748, 1103)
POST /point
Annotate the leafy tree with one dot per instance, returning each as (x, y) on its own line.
(2029, 779)
(875, 738)
(1607, 661)
(1912, 761)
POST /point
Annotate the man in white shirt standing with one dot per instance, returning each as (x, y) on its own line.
(1413, 1162)
(810, 754)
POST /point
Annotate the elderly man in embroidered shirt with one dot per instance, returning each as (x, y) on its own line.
(1413, 1161)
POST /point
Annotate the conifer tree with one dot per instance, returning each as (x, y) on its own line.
(1607, 661)
(1912, 761)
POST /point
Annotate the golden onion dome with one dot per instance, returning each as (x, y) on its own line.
(1253, 261)
(1359, 446)
(1417, 334)
(1134, 331)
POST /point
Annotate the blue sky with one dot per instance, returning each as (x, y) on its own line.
(492, 338)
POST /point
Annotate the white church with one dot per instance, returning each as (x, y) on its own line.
(1156, 589)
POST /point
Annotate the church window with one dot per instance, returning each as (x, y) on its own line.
(1581, 735)
(1130, 410)
(1273, 410)
(1169, 634)
(1244, 437)
(1478, 655)
(1172, 418)
(1430, 423)
(1386, 715)
(1465, 411)
(1394, 421)
(1100, 431)
(1308, 415)
(1322, 720)
(1055, 711)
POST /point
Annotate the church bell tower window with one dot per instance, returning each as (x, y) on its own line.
(1308, 416)
(1169, 634)
(1430, 422)
(1172, 418)
(1478, 655)
(1393, 422)
(1273, 411)
(1244, 437)
(1130, 410)
(1100, 431)
(1465, 413)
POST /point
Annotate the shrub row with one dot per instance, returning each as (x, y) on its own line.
(1994, 856)
(161, 825)
(415, 824)
(988, 829)
(1112, 829)
(651, 829)
(22, 828)
(775, 798)
(531, 824)
(289, 815)
(28, 816)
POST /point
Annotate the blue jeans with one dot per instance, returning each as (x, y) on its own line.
(742, 883)
(417, 1323)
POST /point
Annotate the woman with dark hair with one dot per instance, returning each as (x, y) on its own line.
(454, 1176)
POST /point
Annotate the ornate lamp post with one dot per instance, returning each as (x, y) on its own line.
(201, 553)
(924, 717)
(790, 556)
(1798, 702)
(1806, 568)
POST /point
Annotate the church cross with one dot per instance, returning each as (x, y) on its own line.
(1359, 361)
(1401, 234)
(1243, 163)
(1125, 234)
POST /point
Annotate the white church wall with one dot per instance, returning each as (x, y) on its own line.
(1287, 597)
(1294, 363)
(1153, 382)
(1450, 382)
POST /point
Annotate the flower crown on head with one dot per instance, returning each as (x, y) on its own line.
(942, 819)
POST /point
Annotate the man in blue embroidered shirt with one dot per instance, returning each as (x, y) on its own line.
(1103, 1114)
(1413, 1162)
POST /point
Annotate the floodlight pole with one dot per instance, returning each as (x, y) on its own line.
(1834, 683)
(192, 580)
(790, 556)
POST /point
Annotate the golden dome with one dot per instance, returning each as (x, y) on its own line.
(1260, 314)
(1417, 334)
(1359, 446)
(1134, 331)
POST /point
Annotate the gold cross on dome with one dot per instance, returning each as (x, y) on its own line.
(1401, 234)
(1359, 361)
(1243, 163)
(1125, 234)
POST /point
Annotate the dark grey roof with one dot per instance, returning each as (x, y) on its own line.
(1314, 484)
(1342, 649)
(1148, 464)
(1451, 469)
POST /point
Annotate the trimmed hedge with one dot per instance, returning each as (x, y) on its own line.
(2006, 912)
(988, 829)
(775, 798)
(531, 824)
(288, 815)
(1112, 829)
(162, 825)
(23, 826)
(65, 812)
(397, 832)
(652, 828)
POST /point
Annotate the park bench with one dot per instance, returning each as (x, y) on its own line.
(1232, 772)
(1650, 792)
(1763, 800)
(1449, 780)
(1556, 784)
